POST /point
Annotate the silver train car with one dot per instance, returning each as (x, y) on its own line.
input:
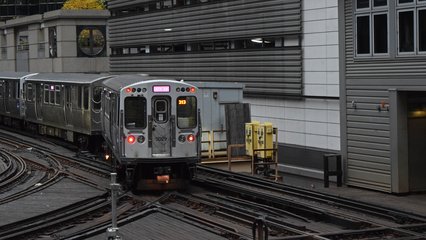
(152, 127)
(60, 105)
(64, 105)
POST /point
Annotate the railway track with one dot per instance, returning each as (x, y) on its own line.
(41, 188)
(223, 205)
(218, 205)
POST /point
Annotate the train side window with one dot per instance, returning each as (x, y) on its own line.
(1, 89)
(57, 95)
(114, 109)
(135, 112)
(15, 90)
(97, 98)
(52, 94)
(186, 112)
(30, 93)
(107, 102)
(68, 95)
(79, 96)
(86, 97)
(46, 93)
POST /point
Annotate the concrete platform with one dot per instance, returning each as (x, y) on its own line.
(413, 203)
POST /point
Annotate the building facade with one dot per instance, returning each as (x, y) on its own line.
(284, 51)
(56, 41)
(383, 98)
(10, 9)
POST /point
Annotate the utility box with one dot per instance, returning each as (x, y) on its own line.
(265, 139)
(251, 137)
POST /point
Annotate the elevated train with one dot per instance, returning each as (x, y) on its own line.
(149, 126)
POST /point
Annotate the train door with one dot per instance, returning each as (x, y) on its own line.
(68, 105)
(39, 101)
(161, 127)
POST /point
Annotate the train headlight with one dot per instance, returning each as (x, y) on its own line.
(182, 138)
(131, 139)
(141, 139)
(191, 138)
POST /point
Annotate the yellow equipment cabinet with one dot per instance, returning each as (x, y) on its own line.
(265, 139)
(251, 137)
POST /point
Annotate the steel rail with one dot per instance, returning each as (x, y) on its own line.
(396, 215)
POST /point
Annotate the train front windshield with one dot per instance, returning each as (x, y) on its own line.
(186, 112)
(135, 112)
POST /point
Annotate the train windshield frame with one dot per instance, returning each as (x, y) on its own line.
(186, 112)
(135, 114)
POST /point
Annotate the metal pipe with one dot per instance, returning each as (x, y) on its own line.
(112, 232)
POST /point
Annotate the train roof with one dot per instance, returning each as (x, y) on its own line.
(120, 81)
(13, 75)
(79, 78)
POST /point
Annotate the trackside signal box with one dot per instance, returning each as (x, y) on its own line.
(251, 137)
(265, 139)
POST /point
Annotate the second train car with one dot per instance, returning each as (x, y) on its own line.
(149, 126)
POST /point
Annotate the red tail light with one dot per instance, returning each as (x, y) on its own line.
(191, 138)
(193, 89)
(131, 139)
(128, 90)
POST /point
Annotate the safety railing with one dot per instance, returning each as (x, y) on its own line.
(208, 142)
(212, 141)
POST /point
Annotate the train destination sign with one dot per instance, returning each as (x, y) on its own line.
(161, 89)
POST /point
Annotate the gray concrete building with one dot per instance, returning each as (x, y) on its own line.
(383, 93)
(56, 41)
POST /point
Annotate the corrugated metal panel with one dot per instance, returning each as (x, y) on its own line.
(274, 71)
(368, 81)
(368, 136)
(213, 21)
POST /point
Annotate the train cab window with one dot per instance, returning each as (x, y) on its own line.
(186, 112)
(30, 93)
(135, 112)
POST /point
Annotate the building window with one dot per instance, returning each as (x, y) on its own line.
(212, 46)
(52, 42)
(411, 17)
(91, 41)
(380, 33)
(372, 34)
(22, 43)
(363, 34)
(422, 30)
(406, 31)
